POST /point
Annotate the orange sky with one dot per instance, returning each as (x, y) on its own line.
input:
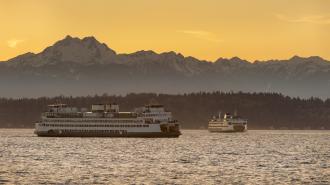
(206, 29)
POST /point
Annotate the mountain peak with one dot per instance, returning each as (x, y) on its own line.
(172, 54)
(68, 40)
(89, 38)
(316, 58)
(84, 51)
(68, 37)
(236, 59)
(233, 60)
(307, 59)
(143, 53)
(296, 58)
(91, 41)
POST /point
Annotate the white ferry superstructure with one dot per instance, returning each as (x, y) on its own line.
(228, 123)
(105, 120)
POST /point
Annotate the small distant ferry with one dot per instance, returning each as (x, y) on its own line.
(105, 120)
(228, 123)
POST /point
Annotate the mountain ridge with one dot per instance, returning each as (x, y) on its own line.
(92, 41)
(86, 66)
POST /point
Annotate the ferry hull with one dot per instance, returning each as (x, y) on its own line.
(238, 128)
(105, 134)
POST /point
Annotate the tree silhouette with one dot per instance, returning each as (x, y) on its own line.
(193, 110)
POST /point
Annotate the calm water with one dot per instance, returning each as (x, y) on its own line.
(197, 157)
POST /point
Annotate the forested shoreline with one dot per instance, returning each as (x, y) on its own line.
(193, 110)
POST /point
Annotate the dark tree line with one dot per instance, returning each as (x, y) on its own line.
(263, 110)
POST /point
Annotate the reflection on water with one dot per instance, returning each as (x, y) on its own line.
(197, 157)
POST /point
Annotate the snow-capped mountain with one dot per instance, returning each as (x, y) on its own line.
(86, 51)
(74, 66)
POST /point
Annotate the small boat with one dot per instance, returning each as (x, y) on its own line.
(227, 123)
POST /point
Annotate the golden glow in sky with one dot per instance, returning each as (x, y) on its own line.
(206, 29)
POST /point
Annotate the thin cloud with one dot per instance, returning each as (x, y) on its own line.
(200, 34)
(12, 43)
(314, 19)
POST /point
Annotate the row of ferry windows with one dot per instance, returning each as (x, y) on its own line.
(148, 115)
(78, 125)
(95, 121)
(97, 131)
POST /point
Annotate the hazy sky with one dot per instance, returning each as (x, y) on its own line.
(206, 29)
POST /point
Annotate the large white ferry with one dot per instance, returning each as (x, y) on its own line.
(105, 120)
(228, 123)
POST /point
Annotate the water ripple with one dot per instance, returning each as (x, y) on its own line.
(197, 157)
